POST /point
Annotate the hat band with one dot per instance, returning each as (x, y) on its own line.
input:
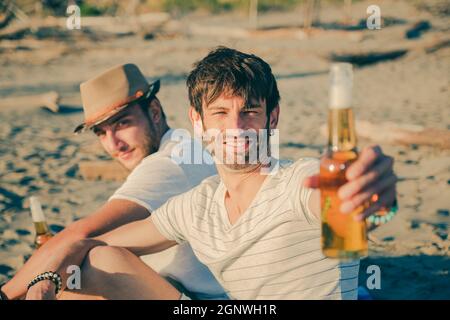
(110, 110)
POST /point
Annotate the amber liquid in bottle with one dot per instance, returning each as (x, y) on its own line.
(343, 237)
(43, 233)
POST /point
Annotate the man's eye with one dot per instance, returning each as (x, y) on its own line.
(123, 123)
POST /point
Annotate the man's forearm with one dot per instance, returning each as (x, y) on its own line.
(73, 254)
(17, 286)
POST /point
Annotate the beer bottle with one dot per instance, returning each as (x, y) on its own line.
(342, 236)
(43, 233)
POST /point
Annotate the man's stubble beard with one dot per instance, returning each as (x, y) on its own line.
(150, 138)
(148, 145)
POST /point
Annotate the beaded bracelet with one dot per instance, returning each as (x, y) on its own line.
(381, 218)
(49, 275)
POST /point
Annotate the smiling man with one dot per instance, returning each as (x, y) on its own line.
(122, 109)
(259, 234)
(129, 136)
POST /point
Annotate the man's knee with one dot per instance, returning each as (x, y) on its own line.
(104, 257)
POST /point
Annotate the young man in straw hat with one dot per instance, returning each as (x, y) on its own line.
(122, 109)
(258, 233)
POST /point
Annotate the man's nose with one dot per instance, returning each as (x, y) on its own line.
(235, 121)
(114, 142)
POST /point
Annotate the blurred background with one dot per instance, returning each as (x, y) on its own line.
(401, 101)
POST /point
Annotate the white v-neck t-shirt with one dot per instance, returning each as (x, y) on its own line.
(156, 179)
(273, 251)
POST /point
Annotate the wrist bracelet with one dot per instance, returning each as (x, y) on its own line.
(386, 216)
(49, 275)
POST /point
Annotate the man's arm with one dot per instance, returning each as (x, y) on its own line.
(110, 216)
(140, 237)
(372, 173)
(314, 203)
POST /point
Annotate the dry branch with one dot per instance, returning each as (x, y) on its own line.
(47, 100)
(403, 134)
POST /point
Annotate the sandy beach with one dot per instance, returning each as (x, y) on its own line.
(39, 154)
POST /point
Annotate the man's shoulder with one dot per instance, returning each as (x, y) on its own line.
(156, 162)
(208, 186)
(290, 173)
(180, 151)
(199, 196)
(168, 156)
(164, 166)
(211, 182)
(203, 193)
(288, 167)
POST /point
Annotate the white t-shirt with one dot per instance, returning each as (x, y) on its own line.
(156, 179)
(273, 251)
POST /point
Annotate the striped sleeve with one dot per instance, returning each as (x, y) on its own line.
(173, 218)
(301, 169)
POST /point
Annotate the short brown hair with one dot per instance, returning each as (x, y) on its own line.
(241, 74)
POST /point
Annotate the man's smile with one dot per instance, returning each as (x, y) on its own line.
(126, 155)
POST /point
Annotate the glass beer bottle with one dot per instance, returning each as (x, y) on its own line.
(342, 236)
(43, 233)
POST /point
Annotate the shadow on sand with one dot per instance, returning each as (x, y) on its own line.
(409, 277)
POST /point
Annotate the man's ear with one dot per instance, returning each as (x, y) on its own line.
(155, 111)
(194, 116)
(273, 117)
(196, 121)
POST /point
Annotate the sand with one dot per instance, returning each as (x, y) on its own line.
(39, 154)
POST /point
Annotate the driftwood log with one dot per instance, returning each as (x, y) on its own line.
(47, 100)
(112, 26)
(269, 33)
(417, 29)
(102, 170)
(403, 134)
(367, 58)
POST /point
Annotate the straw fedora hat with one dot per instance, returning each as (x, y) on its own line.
(112, 91)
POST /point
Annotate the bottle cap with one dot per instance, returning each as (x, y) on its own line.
(36, 210)
(341, 85)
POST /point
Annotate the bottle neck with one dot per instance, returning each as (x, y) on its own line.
(341, 130)
(41, 227)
